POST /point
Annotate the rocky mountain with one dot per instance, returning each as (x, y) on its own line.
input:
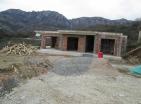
(18, 21)
(85, 22)
(15, 21)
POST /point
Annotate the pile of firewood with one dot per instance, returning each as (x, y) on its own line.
(19, 49)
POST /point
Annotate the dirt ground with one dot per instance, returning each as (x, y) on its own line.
(15, 69)
(78, 80)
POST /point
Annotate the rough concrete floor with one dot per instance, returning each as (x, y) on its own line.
(72, 81)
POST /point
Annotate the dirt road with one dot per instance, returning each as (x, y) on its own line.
(72, 81)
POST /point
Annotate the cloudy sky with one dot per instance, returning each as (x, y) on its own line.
(112, 9)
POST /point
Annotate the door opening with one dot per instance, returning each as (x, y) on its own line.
(89, 44)
(53, 42)
(107, 46)
(72, 43)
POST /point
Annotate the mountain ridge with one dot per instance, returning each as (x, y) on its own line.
(16, 21)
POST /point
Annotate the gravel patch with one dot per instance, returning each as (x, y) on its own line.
(72, 66)
(73, 82)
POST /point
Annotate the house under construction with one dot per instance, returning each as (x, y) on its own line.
(85, 41)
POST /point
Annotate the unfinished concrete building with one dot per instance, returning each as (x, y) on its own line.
(85, 41)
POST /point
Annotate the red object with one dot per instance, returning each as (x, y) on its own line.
(100, 54)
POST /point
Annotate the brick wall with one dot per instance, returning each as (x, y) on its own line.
(81, 43)
(97, 44)
(124, 45)
(117, 46)
(64, 42)
(43, 42)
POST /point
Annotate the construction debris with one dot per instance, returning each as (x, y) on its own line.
(136, 71)
(133, 56)
(21, 49)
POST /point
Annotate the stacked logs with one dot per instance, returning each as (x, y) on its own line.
(21, 49)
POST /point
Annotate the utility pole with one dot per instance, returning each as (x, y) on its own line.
(139, 37)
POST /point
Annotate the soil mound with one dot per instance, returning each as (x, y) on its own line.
(103, 66)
